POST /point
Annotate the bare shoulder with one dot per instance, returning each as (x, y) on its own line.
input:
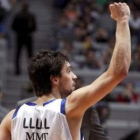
(5, 126)
(6, 122)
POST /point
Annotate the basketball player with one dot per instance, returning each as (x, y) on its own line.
(53, 118)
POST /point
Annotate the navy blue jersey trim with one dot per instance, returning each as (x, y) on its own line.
(81, 135)
(63, 102)
(31, 104)
(48, 102)
(16, 111)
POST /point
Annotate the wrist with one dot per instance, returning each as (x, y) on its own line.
(123, 22)
(124, 19)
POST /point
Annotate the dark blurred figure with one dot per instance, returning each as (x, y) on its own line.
(60, 3)
(2, 27)
(24, 24)
(2, 11)
(103, 112)
(135, 135)
(91, 126)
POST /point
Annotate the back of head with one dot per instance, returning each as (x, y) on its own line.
(42, 66)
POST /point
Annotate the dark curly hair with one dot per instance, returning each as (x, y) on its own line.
(42, 66)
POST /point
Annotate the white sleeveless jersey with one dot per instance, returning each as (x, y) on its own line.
(47, 122)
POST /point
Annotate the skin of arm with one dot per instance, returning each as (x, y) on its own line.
(5, 127)
(83, 98)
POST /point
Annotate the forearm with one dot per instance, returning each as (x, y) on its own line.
(121, 57)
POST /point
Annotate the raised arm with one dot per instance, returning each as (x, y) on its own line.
(121, 58)
(85, 97)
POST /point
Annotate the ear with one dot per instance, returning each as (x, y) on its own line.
(54, 80)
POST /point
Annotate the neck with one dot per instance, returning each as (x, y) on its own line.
(55, 92)
(45, 98)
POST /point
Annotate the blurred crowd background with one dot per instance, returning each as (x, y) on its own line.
(83, 30)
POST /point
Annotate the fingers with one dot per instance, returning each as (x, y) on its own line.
(115, 6)
(110, 7)
(119, 10)
(118, 5)
(113, 10)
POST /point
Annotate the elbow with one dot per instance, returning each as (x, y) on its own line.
(123, 74)
(123, 71)
(119, 74)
